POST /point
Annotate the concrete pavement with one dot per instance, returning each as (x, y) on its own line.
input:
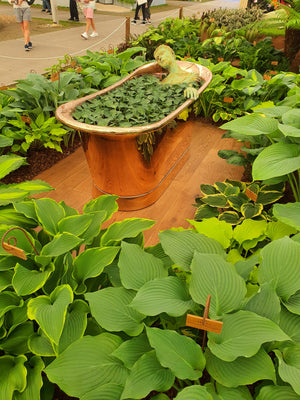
(15, 63)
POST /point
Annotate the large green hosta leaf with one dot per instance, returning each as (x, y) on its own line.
(9, 216)
(225, 393)
(241, 371)
(75, 224)
(288, 213)
(276, 160)
(12, 376)
(5, 279)
(180, 246)
(61, 244)
(50, 311)
(105, 203)
(242, 335)
(33, 187)
(169, 295)
(277, 393)
(16, 341)
(108, 391)
(211, 274)
(87, 365)
(252, 125)
(290, 324)
(280, 266)
(128, 228)
(195, 392)
(131, 350)
(111, 309)
(138, 267)
(41, 345)
(293, 304)
(289, 366)
(27, 281)
(34, 368)
(9, 301)
(181, 354)
(9, 164)
(49, 213)
(215, 229)
(146, 375)
(90, 263)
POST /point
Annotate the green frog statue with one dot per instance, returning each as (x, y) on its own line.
(166, 58)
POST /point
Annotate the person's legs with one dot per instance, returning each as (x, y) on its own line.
(88, 24)
(144, 13)
(93, 25)
(137, 10)
(26, 32)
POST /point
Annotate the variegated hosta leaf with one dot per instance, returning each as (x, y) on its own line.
(277, 393)
(215, 200)
(242, 335)
(138, 267)
(280, 266)
(265, 303)
(61, 244)
(212, 275)
(230, 217)
(9, 216)
(288, 213)
(241, 371)
(289, 366)
(12, 376)
(111, 309)
(195, 392)
(215, 229)
(9, 301)
(90, 263)
(26, 281)
(131, 350)
(105, 203)
(205, 211)
(75, 224)
(180, 246)
(181, 354)
(41, 345)
(268, 197)
(146, 375)
(169, 295)
(290, 324)
(27, 208)
(9, 164)
(87, 365)
(50, 311)
(128, 228)
(33, 187)
(49, 214)
(34, 380)
(250, 210)
(293, 304)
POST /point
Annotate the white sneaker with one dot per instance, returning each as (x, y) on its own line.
(94, 34)
(84, 35)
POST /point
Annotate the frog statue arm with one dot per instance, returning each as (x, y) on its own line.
(165, 57)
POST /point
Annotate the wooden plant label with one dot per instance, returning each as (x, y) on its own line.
(250, 194)
(228, 99)
(273, 72)
(15, 251)
(26, 119)
(204, 324)
(267, 77)
(274, 62)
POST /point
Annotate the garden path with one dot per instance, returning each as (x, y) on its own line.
(71, 180)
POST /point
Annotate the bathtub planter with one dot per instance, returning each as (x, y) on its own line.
(116, 165)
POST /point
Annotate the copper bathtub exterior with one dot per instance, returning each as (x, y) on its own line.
(116, 165)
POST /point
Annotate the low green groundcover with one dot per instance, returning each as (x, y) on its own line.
(139, 101)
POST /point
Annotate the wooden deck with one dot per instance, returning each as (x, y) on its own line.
(71, 180)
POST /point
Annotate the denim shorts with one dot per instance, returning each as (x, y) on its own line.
(23, 14)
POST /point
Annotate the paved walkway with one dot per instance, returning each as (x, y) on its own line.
(15, 63)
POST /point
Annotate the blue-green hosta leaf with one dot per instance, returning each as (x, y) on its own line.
(40, 344)
(111, 309)
(293, 304)
(108, 391)
(195, 392)
(289, 130)
(90, 263)
(288, 213)
(61, 244)
(245, 267)
(128, 228)
(277, 393)
(16, 341)
(34, 369)
(9, 164)
(290, 324)
(9, 301)
(276, 160)
(50, 311)
(181, 354)
(75, 224)
(138, 267)
(212, 275)
(75, 325)
(180, 246)
(12, 376)
(277, 230)
(265, 303)
(169, 295)
(241, 371)
(5, 279)
(27, 281)
(105, 203)
(49, 214)
(280, 266)
(215, 229)
(275, 111)
(87, 365)
(253, 124)
(242, 335)
(131, 350)
(289, 366)
(146, 375)
(292, 117)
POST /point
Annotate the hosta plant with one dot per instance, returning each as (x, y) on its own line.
(103, 317)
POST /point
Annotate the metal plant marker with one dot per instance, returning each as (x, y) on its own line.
(204, 323)
(13, 249)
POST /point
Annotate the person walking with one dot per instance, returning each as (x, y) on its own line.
(140, 4)
(147, 11)
(23, 16)
(46, 6)
(73, 11)
(88, 9)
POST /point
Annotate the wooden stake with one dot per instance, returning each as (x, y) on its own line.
(127, 29)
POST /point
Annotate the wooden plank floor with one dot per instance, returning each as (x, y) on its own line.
(71, 180)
